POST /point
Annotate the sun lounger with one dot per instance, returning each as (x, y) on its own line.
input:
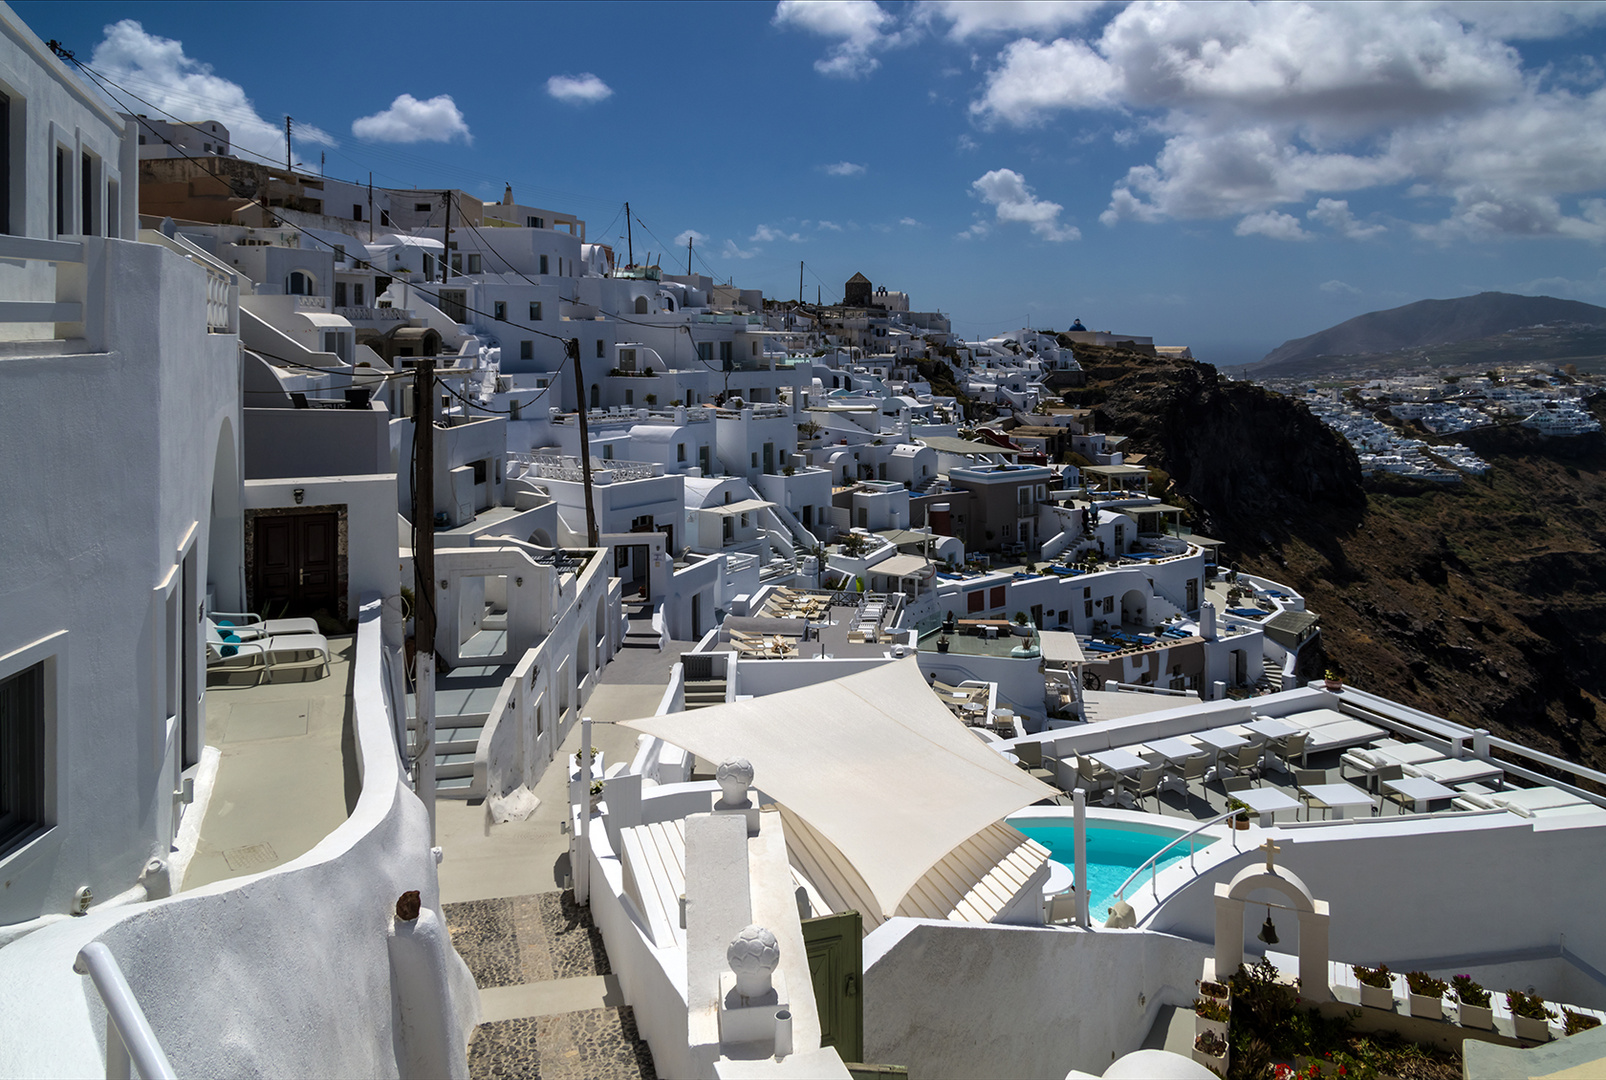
(287, 648)
(1339, 735)
(1457, 771)
(243, 622)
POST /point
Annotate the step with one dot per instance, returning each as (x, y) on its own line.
(452, 765)
(705, 684)
(455, 787)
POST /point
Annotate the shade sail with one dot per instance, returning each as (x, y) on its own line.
(900, 566)
(873, 762)
(742, 506)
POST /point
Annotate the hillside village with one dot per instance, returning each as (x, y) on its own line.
(438, 644)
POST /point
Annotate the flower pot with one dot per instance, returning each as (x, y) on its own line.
(1240, 823)
(1377, 997)
(1202, 1025)
(1475, 1016)
(1333, 685)
(1219, 1064)
(1430, 1006)
(1530, 1029)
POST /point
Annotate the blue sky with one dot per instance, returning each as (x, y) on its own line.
(1220, 175)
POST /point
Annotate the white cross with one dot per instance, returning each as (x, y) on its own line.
(1271, 849)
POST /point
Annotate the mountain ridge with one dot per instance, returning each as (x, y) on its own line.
(1427, 323)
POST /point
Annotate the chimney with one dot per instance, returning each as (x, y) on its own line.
(507, 196)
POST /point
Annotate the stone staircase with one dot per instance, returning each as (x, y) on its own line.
(639, 633)
(463, 700)
(704, 692)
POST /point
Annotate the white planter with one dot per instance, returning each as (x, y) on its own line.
(1475, 1016)
(1531, 1030)
(1430, 1006)
(1202, 1025)
(1377, 997)
(1219, 1064)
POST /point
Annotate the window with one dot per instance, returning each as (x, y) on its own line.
(479, 470)
(340, 294)
(474, 264)
(680, 451)
(114, 219)
(1087, 608)
(705, 351)
(755, 459)
(535, 222)
(641, 305)
(457, 264)
(22, 756)
(975, 601)
(725, 354)
(1109, 605)
(627, 359)
(997, 598)
(89, 188)
(543, 264)
(526, 350)
(356, 211)
(63, 189)
(499, 310)
(755, 347)
(864, 517)
(630, 396)
(340, 253)
(535, 311)
(299, 283)
(422, 208)
(384, 218)
(358, 290)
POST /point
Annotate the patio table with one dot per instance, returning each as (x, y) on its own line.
(1420, 789)
(1119, 760)
(1266, 802)
(1341, 797)
(1272, 728)
(1220, 739)
(1175, 750)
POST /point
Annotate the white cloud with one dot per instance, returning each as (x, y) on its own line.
(1006, 192)
(410, 120)
(976, 18)
(582, 89)
(158, 70)
(731, 251)
(691, 236)
(860, 28)
(977, 230)
(966, 144)
(1272, 224)
(1336, 215)
(831, 225)
(765, 234)
(844, 168)
(1265, 105)
(910, 223)
(1338, 288)
(1591, 290)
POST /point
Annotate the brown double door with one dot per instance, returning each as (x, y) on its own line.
(295, 567)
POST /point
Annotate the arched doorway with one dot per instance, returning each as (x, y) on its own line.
(599, 630)
(301, 283)
(641, 305)
(1135, 608)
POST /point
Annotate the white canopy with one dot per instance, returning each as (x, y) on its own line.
(1060, 648)
(873, 762)
(741, 506)
(901, 566)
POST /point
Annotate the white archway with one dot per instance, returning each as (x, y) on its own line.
(1312, 915)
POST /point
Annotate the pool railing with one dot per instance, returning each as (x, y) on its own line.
(1153, 861)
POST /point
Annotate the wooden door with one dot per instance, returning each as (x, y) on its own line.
(836, 966)
(295, 566)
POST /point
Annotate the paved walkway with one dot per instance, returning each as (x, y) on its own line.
(286, 743)
(552, 1007)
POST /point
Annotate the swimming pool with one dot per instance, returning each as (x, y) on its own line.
(1114, 850)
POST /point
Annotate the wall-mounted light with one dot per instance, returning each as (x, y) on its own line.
(443, 583)
(518, 581)
(299, 493)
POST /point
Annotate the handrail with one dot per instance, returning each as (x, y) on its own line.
(129, 1037)
(1153, 861)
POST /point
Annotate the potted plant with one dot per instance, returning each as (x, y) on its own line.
(1377, 986)
(942, 644)
(1427, 994)
(1472, 1003)
(1241, 819)
(1529, 1017)
(1576, 1021)
(1210, 1050)
(652, 399)
(596, 793)
(1333, 681)
(1210, 1015)
(1218, 991)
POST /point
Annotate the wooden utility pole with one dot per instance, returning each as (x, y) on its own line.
(287, 157)
(630, 244)
(688, 256)
(371, 211)
(424, 580)
(573, 347)
(800, 283)
(446, 242)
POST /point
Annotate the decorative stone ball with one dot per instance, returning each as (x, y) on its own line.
(753, 956)
(735, 776)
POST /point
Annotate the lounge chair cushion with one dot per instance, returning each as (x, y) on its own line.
(231, 643)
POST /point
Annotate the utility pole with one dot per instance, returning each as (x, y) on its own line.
(424, 581)
(630, 244)
(371, 210)
(287, 157)
(688, 256)
(446, 243)
(573, 347)
(800, 283)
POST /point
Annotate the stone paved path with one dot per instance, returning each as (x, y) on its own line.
(552, 1007)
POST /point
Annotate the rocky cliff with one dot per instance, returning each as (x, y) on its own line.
(1484, 601)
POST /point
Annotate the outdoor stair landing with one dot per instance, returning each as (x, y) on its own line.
(552, 1007)
(463, 700)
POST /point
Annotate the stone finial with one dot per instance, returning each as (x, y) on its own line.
(753, 955)
(735, 776)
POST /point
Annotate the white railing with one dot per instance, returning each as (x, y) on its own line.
(129, 1037)
(556, 467)
(55, 310)
(1153, 862)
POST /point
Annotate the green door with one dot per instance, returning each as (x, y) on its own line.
(836, 963)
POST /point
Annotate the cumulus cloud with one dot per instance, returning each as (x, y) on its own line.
(765, 234)
(582, 89)
(1336, 215)
(830, 225)
(691, 236)
(1338, 288)
(1272, 224)
(910, 223)
(731, 251)
(1005, 190)
(844, 168)
(1266, 105)
(858, 30)
(967, 19)
(410, 120)
(158, 70)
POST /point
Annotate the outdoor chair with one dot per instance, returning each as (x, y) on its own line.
(1245, 761)
(291, 645)
(1062, 907)
(1283, 751)
(1144, 783)
(1092, 775)
(1305, 778)
(1193, 768)
(246, 623)
(1387, 772)
(1030, 754)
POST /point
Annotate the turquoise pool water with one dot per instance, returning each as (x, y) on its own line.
(1114, 850)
